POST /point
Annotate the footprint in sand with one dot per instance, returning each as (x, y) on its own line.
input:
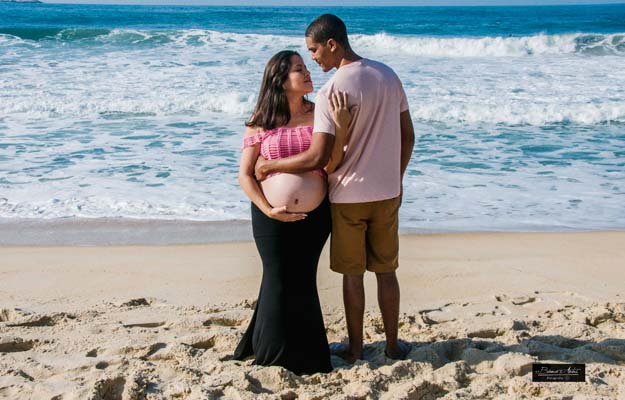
(14, 345)
(153, 349)
(35, 322)
(17, 318)
(8, 315)
(439, 315)
(517, 301)
(521, 300)
(222, 321)
(203, 343)
(110, 388)
(487, 333)
(501, 298)
(16, 372)
(561, 298)
(144, 324)
(453, 311)
(139, 302)
(497, 311)
(134, 386)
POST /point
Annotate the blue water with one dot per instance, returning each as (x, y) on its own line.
(137, 111)
(36, 21)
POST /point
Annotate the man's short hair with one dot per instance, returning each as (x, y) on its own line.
(328, 26)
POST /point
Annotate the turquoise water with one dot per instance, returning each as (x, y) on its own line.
(37, 21)
(137, 111)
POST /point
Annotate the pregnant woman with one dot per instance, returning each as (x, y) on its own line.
(290, 220)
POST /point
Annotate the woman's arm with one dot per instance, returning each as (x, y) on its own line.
(315, 157)
(342, 117)
(250, 185)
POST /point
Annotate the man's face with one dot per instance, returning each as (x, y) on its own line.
(321, 54)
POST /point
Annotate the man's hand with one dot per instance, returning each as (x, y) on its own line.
(340, 111)
(259, 170)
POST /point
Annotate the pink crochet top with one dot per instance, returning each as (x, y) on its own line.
(282, 142)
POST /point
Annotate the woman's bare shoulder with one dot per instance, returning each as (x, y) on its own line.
(252, 130)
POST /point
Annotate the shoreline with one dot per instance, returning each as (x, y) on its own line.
(121, 231)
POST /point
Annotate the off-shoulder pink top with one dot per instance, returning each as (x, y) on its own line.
(282, 142)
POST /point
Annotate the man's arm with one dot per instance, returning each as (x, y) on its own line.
(407, 140)
(316, 157)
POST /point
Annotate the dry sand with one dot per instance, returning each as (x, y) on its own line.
(161, 322)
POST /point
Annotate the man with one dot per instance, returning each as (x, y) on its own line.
(365, 188)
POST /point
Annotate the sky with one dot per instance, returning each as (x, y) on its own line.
(343, 2)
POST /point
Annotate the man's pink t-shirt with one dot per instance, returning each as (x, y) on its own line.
(370, 170)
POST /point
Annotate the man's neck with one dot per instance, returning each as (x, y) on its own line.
(348, 58)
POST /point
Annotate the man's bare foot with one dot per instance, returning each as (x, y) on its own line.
(397, 352)
(343, 350)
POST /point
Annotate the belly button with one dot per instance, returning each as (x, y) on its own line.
(296, 201)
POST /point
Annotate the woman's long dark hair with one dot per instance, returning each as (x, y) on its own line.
(272, 107)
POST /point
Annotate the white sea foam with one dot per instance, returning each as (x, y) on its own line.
(489, 46)
(536, 45)
(512, 113)
(198, 72)
(6, 40)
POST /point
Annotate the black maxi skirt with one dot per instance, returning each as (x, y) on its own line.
(287, 326)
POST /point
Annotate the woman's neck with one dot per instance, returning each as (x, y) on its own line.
(296, 105)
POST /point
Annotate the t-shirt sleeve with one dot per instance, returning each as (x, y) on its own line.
(323, 115)
(403, 101)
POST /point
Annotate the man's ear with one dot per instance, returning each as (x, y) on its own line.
(332, 45)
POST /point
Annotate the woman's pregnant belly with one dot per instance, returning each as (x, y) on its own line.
(298, 192)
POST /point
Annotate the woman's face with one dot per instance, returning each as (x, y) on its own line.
(298, 80)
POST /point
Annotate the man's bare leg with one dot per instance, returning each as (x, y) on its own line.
(388, 300)
(354, 302)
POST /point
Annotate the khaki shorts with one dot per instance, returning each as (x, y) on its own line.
(365, 237)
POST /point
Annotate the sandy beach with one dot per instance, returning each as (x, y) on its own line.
(161, 322)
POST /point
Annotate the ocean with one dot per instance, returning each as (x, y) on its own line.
(137, 112)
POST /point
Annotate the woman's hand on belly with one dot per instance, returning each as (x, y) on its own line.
(281, 214)
(299, 193)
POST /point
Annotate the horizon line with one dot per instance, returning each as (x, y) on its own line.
(197, 4)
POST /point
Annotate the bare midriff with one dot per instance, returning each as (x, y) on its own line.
(298, 192)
